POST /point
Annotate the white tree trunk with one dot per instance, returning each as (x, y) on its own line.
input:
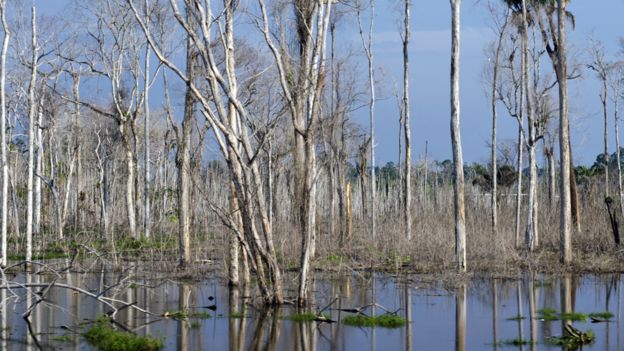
(31, 137)
(531, 234)
(407, 195)
(146, 138)
(458, 177)
(564, 139)
(616, 117)
(3, 134)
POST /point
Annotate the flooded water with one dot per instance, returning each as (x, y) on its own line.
(478, 315)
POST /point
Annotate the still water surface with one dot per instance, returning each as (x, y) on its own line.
(477, 315)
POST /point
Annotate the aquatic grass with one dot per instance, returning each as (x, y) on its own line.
(238, 315)
(517, 317)
(384, 320)
(572, 341)
(601, 315)
(517, 342)
(573, 316)
(105, 338)
(548, 314)
(306, 317)
(182, 315)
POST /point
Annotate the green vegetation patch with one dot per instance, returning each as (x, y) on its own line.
(517, 342)
(549, 314)
(181, 315)
(105, 338)
(573, 316)
(572, 338)
(238, 315)
(517, 317)
(601, 315)
(306, 317)
(384, 320)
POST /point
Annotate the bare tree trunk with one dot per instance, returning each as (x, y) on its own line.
(130, 207)
(458, 176)
(564, 140)
(31, 137)
(38, 171)
(184, 157)
(519, 186)
(531, 234)
(551, 175)
(3, 133)
(146, 138)
(603, 100)
(616, 117)
(494, 96)
(407, 195)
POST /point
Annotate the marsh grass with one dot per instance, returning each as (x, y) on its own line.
(105, 338)
(306, 317)
(182, 315)
(384, 321)
(601, 315)
(517, 342)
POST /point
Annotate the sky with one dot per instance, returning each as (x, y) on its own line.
(429, 77)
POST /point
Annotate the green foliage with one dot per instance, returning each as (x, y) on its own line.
(182, 315)
(517, 342)
(601, 315)
(306, 317)
(238, 315)
(549, 314)
(516, 318)
(105, 338)
(573, 316)
(574, 341)
(385, 320)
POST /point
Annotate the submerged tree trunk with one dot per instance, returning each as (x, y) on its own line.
(458, 176)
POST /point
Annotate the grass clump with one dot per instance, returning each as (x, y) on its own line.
(105, 338)
(306, 317)
(238, 315)
(517, 342)
(548, 314)
(517, 317)
(573, 338)
(573, 316)
(384, 320)
(182, 315)
(601, 315)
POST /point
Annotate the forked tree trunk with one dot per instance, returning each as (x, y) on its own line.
(458, 176)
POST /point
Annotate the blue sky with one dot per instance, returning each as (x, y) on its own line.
(430, 47)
